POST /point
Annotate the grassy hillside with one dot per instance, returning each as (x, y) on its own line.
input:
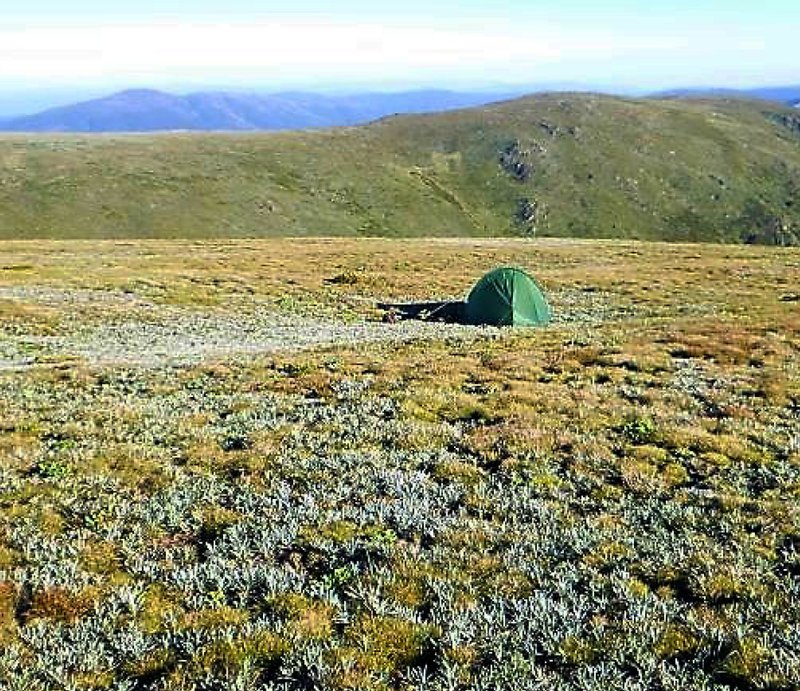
(578, 165)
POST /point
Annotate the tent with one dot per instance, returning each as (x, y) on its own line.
(507, 297)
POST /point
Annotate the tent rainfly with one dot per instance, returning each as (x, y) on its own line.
(507, 296)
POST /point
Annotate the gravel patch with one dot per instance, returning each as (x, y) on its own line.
(135, 331)
(16, 353)
(151, 335)
(57, 297)
(12, 365)
(196, 336)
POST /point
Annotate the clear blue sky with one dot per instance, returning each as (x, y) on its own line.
(311, 43)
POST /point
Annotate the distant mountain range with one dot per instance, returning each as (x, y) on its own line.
(148, 110)
(782, 94)
(145, 110)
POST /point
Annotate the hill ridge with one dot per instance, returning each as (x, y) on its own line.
(723, 170)
(780, 94)
(150, 110)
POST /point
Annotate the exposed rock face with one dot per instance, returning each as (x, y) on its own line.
(762, 227)
(516, 161)
(530, 214)
(789, 121)
(558, 130)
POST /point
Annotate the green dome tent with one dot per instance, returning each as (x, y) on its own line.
(507, 297)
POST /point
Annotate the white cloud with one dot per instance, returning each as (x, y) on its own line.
(295, 48)
(304, 50)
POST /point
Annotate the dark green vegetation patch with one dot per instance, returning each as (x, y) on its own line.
(559, 165)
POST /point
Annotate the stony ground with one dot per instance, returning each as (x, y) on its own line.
(102, 327)
(142, 333)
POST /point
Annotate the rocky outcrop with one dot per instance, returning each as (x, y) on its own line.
(558, 130)
(515, 160)
(530, 215)
(787, 120)
(761, 226)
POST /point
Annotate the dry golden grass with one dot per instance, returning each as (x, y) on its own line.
(305, 270)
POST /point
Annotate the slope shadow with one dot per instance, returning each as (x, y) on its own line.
(451, 312)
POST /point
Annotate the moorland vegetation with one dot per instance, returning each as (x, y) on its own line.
(611, 502)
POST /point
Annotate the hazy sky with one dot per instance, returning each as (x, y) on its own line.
(406, 43)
